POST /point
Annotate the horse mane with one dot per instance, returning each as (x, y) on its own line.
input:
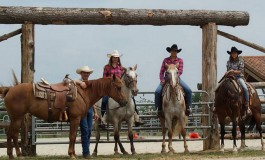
(100, 84)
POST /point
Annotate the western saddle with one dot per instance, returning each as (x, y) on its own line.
(57, 95)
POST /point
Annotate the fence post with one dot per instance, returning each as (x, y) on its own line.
(27, 76)
(209, 81)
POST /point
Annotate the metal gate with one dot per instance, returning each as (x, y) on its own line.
(147, 112)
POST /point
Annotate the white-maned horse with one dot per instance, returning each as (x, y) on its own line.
(117, 114)
(173, 105)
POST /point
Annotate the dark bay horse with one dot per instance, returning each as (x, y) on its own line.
(229, 100)
(173, 105)
(20, 100)
(116, 114)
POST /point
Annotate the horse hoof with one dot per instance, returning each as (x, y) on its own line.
(125, 153)
(134, 153)
(241, 149)
(73, 158)
(170, 153)
(11, 157)
(163, 151)
(94, 154)
(186, 152)
(21, 158)
(235, 151)
(116, 153)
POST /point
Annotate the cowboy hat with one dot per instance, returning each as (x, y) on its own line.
(173, 47)
(234, 49)
(84, 69)
(114, 53)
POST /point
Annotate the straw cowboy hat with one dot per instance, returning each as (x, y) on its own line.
(114, 53)
(84, 69)
(234, 49)
(173, 47)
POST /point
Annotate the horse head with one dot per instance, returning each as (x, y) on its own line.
(115, 91)
(130, 79)
(172, 74)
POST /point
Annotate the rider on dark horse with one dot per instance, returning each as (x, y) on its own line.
(172, 59)
(235, 67)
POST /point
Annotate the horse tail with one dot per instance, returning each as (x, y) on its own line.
(16, 82)
(179, 125)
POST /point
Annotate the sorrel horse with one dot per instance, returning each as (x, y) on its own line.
(116, 114)
(20, 100)
(229, 100)
(173, 105)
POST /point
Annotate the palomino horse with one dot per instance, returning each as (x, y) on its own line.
(116, 114)
(229, 103)
(173, 106)
(20, 100)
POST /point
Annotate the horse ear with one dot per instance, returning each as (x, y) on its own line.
(135, 67)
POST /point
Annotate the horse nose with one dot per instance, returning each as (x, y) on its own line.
(135, 92)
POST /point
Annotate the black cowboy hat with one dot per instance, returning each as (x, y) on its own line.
(173, 47)
(234, 49)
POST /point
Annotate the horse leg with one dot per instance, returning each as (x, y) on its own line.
(12, 134)
(222, 126)
(130, 135)
(183, 133)
(74, 123)
(95, 152)
(242, 131)
(258, 127)
(162, 122)
(119, 141)
(234, 137)
(170, 133)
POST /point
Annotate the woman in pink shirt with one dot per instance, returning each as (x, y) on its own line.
(114, 67)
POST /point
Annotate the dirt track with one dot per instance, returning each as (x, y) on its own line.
(141, 147)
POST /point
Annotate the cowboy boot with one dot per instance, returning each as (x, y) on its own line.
(137, 121)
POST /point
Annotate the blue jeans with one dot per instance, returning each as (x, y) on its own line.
(245, 88)
(104, 103)
(86, 129)
(186, 88)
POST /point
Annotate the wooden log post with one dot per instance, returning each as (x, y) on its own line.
(27, 76)
(239, 40)
(120, 16)
(209, 81)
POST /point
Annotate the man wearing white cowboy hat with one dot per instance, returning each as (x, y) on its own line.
(86, 122)
(114, 67)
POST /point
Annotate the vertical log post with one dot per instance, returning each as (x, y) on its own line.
(27, 76)
(209, 81)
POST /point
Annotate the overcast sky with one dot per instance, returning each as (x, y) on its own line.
(61, 49)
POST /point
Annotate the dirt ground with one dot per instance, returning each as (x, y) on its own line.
(141, 147)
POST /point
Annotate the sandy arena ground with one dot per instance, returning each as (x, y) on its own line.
(141, 147)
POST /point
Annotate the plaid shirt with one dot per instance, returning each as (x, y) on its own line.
(168, 60)
(236, 65)
(110, 71)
